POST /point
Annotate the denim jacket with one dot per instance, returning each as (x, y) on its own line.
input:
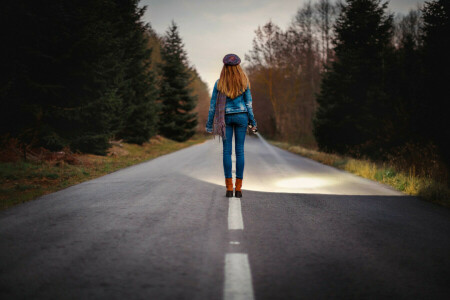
(242, 103)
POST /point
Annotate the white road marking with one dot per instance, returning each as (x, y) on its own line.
(238, 278)
(235, 214)
(234, 243)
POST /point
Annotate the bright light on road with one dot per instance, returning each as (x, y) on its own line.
(304, 182)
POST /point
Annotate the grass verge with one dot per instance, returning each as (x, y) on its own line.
(22, 181)
(428, 189)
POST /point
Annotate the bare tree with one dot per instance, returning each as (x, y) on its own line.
(263, 58)
(285, 68)
(324, 17)
(408, 28)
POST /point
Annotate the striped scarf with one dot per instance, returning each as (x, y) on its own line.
(219, 116)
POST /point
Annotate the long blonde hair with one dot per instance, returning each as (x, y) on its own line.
(233, 81)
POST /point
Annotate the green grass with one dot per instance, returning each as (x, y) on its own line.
(22, 181)
(426, 188)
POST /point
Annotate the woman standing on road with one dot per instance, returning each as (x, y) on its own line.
(231, 110)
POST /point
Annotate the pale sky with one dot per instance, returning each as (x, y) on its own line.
(211, 29)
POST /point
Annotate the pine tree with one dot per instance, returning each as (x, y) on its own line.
(435, 121)
(94, 71)
(177, 121)
(63, 73)
(139, 92)
(405, 84)
(76, 73)
(352, 99)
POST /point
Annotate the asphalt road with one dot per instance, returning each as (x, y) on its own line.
(163, 229)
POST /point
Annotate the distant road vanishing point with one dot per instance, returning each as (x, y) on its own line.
(163, 229)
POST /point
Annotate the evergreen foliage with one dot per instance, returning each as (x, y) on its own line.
(405, 85)
(139, 91)
(436, 43)
(353, 99)
(177, 119)
(75, 73)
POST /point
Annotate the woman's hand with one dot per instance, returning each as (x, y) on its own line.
(254, 129)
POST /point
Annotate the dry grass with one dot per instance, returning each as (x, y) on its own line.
(410, 183)
(25, 180)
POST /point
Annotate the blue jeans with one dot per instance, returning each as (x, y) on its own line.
(236, 123)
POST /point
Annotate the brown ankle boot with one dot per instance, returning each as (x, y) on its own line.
(238, 192)
(229, 185)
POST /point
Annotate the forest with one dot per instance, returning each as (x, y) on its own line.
(352, 78)
(346, 77)
(81, 74)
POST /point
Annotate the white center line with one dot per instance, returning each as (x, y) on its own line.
(235, 214)
(238, 279)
